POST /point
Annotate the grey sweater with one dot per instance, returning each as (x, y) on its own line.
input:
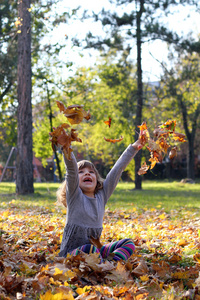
(85, 214)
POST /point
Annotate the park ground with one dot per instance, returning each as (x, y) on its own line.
(163, 219)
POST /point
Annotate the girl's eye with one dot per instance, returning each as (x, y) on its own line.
(80, 171)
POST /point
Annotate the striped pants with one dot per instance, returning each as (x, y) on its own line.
(122, 249)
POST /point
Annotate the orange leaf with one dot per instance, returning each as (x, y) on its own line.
(114, 140)
(108, 122)
(74, 113)
(60, 137)
(169, 125)
(154, 161)
(143, 126)
(144, 133)
(163, 144)
(180, 137)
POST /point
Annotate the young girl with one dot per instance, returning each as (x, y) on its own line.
(85, 195)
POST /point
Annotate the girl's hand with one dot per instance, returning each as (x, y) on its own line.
(138, 145)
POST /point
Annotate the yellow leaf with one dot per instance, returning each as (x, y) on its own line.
(144, 278)
(182, 242)
(162, 217)
(52, 281)
(57, 271)
(5, 214)
(58, 296)
(70, 274)
(81, 291)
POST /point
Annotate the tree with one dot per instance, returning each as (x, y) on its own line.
(44, 20)
(107, 91)
(24, 165)
(180, 92)
(8, 54)
(141, 21)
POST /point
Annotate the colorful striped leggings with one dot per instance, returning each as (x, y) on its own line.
(122, 249)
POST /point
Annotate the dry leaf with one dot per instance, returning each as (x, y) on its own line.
(144, 168)
(114, 140)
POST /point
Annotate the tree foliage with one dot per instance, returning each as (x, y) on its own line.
(134, 24)
(180, 88)
(107, 91)
(44, 19)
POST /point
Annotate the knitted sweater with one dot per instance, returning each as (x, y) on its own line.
(84, 217)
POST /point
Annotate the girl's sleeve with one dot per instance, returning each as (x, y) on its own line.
(72, 179)
(115, 173)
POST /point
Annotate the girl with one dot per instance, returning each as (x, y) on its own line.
(85, 195)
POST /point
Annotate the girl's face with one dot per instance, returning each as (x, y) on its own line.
(87, 181)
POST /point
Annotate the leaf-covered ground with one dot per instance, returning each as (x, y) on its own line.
(166, 264)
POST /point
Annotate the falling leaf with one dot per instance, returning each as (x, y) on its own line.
(173, 152)
(169, 125)
(144, 168)
(154, 161)
(114, 140)
(74, 113)
(159, 132)
(144, 133)
(60, 137)
(180, 137)
(108, 122)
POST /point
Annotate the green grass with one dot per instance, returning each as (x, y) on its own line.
(157, 194)
(154, 194)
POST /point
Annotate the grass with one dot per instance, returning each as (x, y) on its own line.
(154, 194)
(157, 194)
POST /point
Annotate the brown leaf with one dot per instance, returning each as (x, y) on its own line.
(144, 133)
(93, 262)
(74, 113)
(173, 152)
(120, 274)
(141, 269)
(144, 168)
(180, 137)
(1, 242)
(114, 140)
(96, 242)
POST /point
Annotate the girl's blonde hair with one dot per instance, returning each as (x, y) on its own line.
(61, 192)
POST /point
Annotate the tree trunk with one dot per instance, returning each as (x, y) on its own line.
(190, 136)
(24, 166)
(190, 159)
(138, 119)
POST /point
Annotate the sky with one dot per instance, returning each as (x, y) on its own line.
(153, 53)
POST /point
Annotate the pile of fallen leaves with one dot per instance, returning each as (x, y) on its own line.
(165, 265)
